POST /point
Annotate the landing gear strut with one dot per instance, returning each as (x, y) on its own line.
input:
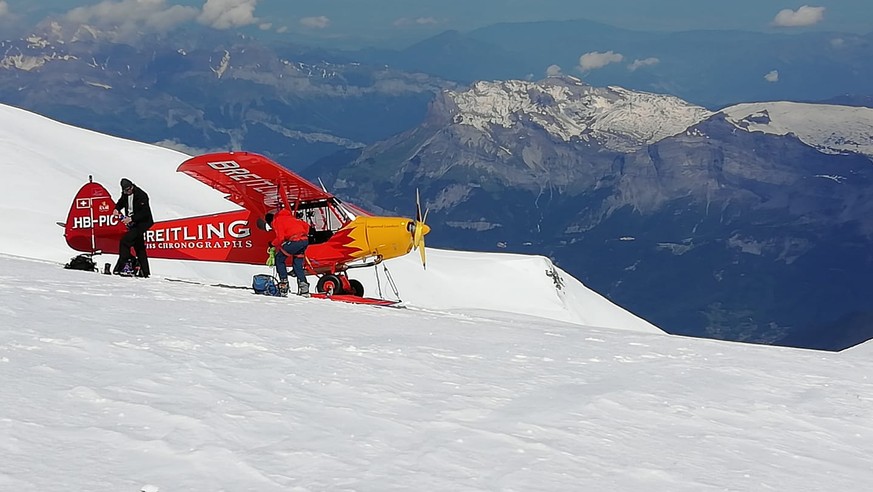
(339, 283)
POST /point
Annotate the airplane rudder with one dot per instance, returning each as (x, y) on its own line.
(90, 216)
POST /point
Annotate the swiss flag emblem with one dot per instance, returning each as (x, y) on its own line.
(83, 203)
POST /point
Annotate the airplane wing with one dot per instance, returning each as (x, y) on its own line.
(252, 181)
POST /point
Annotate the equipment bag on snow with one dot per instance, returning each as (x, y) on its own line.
(267, 285)
(130, 268)
(82, 262)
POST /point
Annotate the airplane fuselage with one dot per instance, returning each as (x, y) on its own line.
(235, 237)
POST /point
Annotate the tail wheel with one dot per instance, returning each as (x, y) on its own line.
(329, 284)
(357, 287)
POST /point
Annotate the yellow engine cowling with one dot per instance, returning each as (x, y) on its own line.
(388, 237)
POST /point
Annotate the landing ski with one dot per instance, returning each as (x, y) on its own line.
(368, 301)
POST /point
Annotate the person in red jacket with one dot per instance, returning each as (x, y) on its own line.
(292, 238)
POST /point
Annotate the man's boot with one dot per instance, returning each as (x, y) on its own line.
(283, 288)
(303, 289)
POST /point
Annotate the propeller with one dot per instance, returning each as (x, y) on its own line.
(419, 229)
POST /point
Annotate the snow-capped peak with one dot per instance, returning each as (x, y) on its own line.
(567, 108)
(830, 129)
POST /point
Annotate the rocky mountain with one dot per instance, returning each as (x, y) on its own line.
(697, 221)
(199, 91)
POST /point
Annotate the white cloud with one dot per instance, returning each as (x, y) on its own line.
(282, 29)
(419, 21)
(225, 14)
(319, 22)
(148, 12)
(4, 8)
(838, 42)
(772, 76)
(266, 26)
(164, 20)
(132, 15)
(645, 62)
(553, 71)
(596, 59)
(804, 16)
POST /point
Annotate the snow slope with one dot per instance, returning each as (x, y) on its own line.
(829, 128)
(108, 386)
(44, 163)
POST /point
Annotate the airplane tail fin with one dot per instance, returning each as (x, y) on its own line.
(90, 226)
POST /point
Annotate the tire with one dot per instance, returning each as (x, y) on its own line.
(357, 287)
(325, 282)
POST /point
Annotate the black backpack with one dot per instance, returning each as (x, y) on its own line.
(82, 262)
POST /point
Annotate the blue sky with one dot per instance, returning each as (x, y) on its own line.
(379, 19)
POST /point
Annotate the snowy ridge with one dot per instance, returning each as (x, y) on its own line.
(625, 120)
(515, 283)
(567, 108)
(829, 128)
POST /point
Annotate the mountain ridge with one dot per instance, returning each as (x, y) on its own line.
(214, 93)
(737, 202)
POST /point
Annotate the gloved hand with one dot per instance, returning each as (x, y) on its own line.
(271, 256)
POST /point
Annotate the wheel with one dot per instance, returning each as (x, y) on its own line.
(357, 287)
(329, 284)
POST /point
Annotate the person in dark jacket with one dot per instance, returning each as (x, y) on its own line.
(137, 217)
(292, 238)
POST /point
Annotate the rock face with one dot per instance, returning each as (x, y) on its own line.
(699, 222)
(198, 92)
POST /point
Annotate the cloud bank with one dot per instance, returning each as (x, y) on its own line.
(596, 59)
(4, 9)
(802, 17)
(320, 22)
(133, 16)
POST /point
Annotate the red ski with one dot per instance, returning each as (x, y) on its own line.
(357, 300)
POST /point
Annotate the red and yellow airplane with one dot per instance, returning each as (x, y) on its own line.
(341, 236)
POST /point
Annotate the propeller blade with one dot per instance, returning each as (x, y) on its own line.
(421, 252)
(420, 229)
(418, 234)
